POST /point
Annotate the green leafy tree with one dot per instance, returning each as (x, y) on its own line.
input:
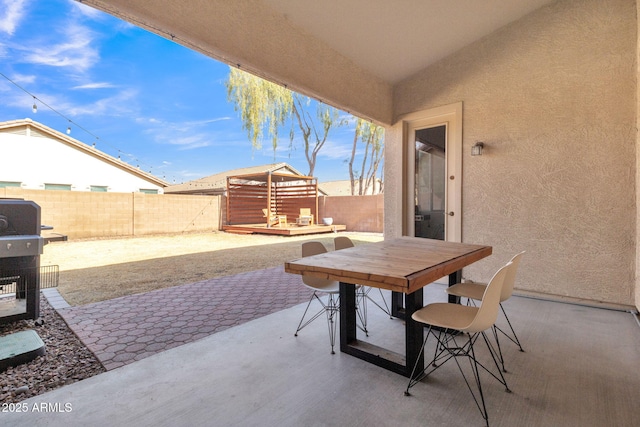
(265, 107)
(372, 137)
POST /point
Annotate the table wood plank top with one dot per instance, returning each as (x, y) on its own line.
(402, 264)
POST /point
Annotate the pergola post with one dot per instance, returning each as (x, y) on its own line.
(228, 202)
(315, 181)
(269, 199)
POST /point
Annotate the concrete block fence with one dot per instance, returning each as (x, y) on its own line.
(81, 215)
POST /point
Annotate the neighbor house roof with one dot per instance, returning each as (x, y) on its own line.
(17, 126)
(217, 183)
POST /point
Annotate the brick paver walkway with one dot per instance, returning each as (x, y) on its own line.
(126, 329)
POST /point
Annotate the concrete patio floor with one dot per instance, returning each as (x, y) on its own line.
(580, 368)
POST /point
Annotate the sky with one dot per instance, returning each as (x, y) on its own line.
(136, 95)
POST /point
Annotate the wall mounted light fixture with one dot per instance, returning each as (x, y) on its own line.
(476, 149)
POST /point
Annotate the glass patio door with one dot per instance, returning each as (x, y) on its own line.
(430, 182)
(433, 174)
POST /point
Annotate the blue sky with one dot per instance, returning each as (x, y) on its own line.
(148, 100)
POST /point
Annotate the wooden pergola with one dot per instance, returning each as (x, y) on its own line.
(279, 193)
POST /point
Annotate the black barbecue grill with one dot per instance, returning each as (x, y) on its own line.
(20, 248)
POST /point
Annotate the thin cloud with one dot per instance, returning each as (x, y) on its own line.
(102, 85)
(77, 51)
(23, 78)
(335, 151)
(189, 142)
(85, 10)
(188, 135)
(14, 11)
(116, 105)
(218, 119)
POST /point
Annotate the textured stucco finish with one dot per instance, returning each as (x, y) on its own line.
(553, 96)
(637, 276)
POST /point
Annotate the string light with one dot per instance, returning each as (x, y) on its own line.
(34, 109)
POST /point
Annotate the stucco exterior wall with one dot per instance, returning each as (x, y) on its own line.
(637, 276)
(553, 96)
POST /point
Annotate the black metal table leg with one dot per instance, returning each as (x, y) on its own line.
(455, 277)
(347, 315)
(414, 333)
(397, 304)
(397, 298)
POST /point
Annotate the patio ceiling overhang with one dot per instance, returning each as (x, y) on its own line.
(347, 53)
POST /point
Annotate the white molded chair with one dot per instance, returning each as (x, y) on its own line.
(330, 287)
(450, 319)
(475, 290)
(362, 292)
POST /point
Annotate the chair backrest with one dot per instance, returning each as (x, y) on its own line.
(309, 249)
(265, 212)
(305, 211)
(342, 242)
(488, 310)
(510, 278)
(313, 248)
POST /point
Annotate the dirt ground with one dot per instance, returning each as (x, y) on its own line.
(97, 270)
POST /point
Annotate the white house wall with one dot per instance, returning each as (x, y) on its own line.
(37, 160)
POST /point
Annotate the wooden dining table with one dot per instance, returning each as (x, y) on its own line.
(403, 265)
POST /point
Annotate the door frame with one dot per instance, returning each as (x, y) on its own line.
(451, 116)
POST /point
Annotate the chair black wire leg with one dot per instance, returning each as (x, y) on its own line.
(332, 311)
(413, 380)
(361, 310)
(440, 348)
(476, 374)
(499, 351)
(502, 380)
(515, 337)
(386, 308)
(315, 316)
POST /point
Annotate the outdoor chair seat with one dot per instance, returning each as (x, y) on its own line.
(319, 285)
(475, 291)
(444, 320)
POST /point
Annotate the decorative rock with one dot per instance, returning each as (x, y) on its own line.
(21, 390)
